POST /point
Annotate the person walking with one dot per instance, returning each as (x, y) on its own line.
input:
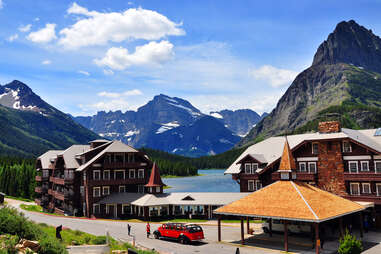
(129, 229)
(148, 228)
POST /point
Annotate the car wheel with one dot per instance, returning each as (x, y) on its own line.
(183, 240)
(266, 230)
(156, 235)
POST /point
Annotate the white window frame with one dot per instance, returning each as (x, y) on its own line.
(351, 189)
(363, 189)
(377, 192)
(109, 174)
(124, 205)
(375, 166)
(129, 173)
(349, 166)
(105, 188)
(141, 170)
(247, 168)
(258, 185)
(349, 145)
(309, 167)
(97, 171)
(254, 167)
(367, 162)
(99, 208)
(312, 147)
(123, 187)
(248, 185)
(120, 170)
(100, 192)
(300, 167)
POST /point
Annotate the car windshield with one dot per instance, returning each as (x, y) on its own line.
(194, 228)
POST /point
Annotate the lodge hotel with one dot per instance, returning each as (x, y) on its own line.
(112, 179)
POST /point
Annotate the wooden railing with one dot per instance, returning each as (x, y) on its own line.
(38, 189)
(61, 181)
(122, 165)
(118, 181)
(301, 176)
(362, 176)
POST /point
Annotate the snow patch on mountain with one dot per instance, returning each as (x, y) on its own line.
(132, 133)
(167, 126)
(216, 115)
(193, 113)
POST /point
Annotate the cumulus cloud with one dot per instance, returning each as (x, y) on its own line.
(43, 35)
(118, 95)
(274, 76)
(46, 62)
(1, 4)
(13, 37)
(117, 104)
(25, 28)
(97, 28)
(152, 53)
(84, 73)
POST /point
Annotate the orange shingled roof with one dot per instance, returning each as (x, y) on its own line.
(287, 162)
(155, 179)
(291, 201)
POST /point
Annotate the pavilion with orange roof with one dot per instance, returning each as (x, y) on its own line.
(289, 200)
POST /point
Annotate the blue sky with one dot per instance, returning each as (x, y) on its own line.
(86, 56)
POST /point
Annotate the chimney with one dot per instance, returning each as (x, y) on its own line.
(329, 127)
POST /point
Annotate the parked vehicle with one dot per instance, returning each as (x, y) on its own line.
(184, 233)
(296, 227)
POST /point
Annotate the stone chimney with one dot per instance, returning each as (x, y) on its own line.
(329, 127)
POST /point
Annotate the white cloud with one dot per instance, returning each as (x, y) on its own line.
(274, 76)
(98, 28)
(130, 3)
(117, 104)
(25, 28)
(43, 35)
(84, 73)
(37, 19)
(13, 37)
(46, 62)
(152, 53)
(108, 72)
(118, 95)
(1, 4)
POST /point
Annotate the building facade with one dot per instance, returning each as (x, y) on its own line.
(343, 161)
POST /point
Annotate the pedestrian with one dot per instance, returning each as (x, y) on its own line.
(148, 228)
(237, 251)
(58, 232)
(129, 229)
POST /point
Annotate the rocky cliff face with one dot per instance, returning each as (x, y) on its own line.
(342, 80)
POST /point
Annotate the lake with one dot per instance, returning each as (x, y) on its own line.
(211, 180)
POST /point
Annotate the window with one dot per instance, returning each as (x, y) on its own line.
(353, 167)
(258, 184)
(141, 173)
(106, 175)
(119, 174)
(355, 189)
(126, 209)
(157, 189)
(366, 188)
(364, 165)
(45, 173)
(141, 188)
(251, 185)
(254, 168)
(312, 167)
(96, 209)
(132, 173)
(122, 188)
(82, 190)
(96, 174)
(106, 190)
(247, 168)
(378, 189)
(302, 166)
(347, 148)
(377, 166)
(96, 192)
(315, 148)
(119, 158)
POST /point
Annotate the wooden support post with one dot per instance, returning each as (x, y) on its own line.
(271, 227)
(285, 235)
(317, 243)
(242, 233)
(341, 227)
(219, 228)
(248, 225)
(361, 225)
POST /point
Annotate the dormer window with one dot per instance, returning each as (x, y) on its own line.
(251, 168)
(315, 148)
(347, 148)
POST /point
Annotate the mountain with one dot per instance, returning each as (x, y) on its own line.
(343, 83)
(29, 126)
(173, 125)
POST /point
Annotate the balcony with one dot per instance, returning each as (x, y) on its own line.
(41, 178)
(365, 198)
(122, 165)
(50, 192)
(59, 195)
(61, 181)
(362, 176)
(118, 181)
(244, 176)
(300, 176)
(38, 189)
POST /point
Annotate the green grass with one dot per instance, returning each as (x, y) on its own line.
(20, 199)
(31, 208)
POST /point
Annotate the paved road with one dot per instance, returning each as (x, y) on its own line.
(118, 230)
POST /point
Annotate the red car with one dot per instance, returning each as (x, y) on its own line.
(184, 233)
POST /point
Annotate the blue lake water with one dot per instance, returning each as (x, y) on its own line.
(212, 180)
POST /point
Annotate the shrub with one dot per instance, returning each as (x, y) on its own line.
(51, 245)
(99, 240)
(349, 245)
(8, 243)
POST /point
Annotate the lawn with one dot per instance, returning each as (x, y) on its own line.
(20, 199)
(31, 208)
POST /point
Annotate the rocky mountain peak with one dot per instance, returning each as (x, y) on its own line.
(353, 44)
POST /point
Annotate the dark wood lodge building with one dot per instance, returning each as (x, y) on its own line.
(343, 161)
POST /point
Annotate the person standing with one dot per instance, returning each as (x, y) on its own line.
(129, 229)
(148, 228)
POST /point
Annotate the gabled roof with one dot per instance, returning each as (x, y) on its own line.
(155, 179)
(69, 155)
(115, 147)
(291, 200)
(258, 157)
(46, 157)
(287, 162)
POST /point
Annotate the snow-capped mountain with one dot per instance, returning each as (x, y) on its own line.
(167, 123)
